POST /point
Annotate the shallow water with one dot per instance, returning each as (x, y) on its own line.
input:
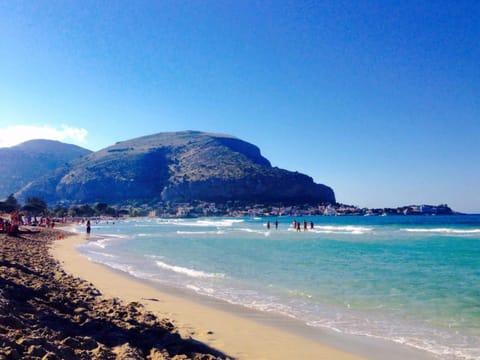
(414, 280)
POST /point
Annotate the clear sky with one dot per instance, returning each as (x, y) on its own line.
(378, 99)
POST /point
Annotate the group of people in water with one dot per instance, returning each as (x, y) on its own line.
(276, 225)
(296, 225)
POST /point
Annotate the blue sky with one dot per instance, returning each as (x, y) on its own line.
(378, 99)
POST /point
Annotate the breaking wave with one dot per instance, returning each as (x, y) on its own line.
(189, 272)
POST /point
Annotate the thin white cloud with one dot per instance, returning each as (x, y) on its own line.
(16, 134)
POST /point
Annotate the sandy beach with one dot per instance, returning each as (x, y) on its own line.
(231, 330)
(66, 307)
(46, 313)
(56, 304)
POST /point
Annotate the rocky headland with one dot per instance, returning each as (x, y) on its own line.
(176, 167)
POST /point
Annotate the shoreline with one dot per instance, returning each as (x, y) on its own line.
(48, 314)
(235, 330)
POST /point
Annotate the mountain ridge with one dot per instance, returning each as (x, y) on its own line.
(177, 167)
(32, 159)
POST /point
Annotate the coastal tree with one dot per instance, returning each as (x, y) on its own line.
(110, 211)
(82, 211)
(122, 212)
(60, 211)
(74, 211)
(100, 208)
(87, 210)
(35, 206)
(9, 205)
(104, 209)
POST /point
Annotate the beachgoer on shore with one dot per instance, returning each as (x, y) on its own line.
(88, 227)
(268, 225)
(276, 224)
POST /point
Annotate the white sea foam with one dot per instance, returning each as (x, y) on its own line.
(169, 221)
(154, 257)
(201, 290)
(133, 270)
(194, 288)
(348, 230)
(181, 232)
(253, 231)
(189, 272)
(435, 341)
(103, 243)
(116, 236)
(126, 268)
(330, 229)
(210, 223)
(443, 230)
(107, 255)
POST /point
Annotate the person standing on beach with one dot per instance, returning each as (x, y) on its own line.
(88, 227)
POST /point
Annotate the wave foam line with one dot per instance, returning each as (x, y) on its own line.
(443, 230)
(103, 243)
(189, 272)
(179, 232)
(253, 231)
(350, 229)
(217, 223)
(102, 254)
(458, 350)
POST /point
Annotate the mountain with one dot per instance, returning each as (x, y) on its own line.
(31, 160)
(177, 167)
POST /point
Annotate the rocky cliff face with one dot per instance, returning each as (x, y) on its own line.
(31, 160)
(269, 187)
(179, 167)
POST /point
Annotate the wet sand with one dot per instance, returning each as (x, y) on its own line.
(230, 329)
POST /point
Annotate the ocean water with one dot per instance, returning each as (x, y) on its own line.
(413, 280)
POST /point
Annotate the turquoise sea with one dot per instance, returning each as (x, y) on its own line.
(413, 280)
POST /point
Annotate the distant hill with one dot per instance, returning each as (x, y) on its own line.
(31, 160)
(177, 167)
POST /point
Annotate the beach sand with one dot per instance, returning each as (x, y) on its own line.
(48, 314)
(56, 304)
(229, 329)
